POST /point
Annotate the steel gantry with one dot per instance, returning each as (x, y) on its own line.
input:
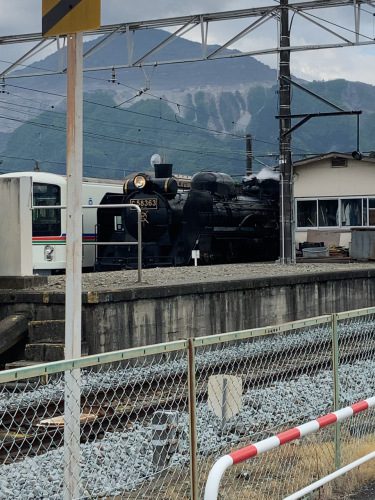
(179, 26)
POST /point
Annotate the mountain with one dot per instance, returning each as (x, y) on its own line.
(195, 114)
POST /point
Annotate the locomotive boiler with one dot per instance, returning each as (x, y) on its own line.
(226, 222)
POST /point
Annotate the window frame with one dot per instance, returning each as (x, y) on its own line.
(365, 215)
(37, 227)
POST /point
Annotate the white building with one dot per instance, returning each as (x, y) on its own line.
(333, 194)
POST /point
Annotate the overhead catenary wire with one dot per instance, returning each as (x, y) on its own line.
(98, 120)
(198, 127)
(118, 124)
(273, 143)
(219, 132)
(126, 141)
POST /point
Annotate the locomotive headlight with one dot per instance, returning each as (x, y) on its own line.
(139, 181)
(49, 251)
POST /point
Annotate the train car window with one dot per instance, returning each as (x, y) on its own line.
(46, 221)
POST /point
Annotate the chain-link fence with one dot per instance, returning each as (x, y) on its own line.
(355, 336)
(150, 422)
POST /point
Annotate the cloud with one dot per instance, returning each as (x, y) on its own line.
(339, 63)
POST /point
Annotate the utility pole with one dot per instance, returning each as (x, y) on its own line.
(287, 251)
(249, 155)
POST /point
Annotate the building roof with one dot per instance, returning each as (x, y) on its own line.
(327, 156)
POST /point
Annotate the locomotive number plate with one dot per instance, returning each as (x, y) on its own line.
(150, 203)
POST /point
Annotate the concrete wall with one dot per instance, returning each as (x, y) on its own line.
(15, 227)
(149, 315)
(205, 309)
(320, 179)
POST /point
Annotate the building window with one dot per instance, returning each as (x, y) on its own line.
(351, 212)
(338, 212)
(371, 212)
(365, 212)
(328, 212)
(307, 213)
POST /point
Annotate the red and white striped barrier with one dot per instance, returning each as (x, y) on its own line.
(236, 457)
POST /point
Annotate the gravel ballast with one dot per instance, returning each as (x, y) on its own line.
(119, 280)
(122, 461)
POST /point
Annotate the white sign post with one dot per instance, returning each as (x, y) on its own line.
(224, 396)
(195, 255)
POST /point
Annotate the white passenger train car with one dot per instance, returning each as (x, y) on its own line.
(49, 225)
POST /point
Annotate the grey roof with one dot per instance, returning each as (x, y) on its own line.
(327, 156)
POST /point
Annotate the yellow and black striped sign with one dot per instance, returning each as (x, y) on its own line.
(69, 16)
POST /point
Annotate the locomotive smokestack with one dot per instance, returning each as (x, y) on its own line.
(163, 170)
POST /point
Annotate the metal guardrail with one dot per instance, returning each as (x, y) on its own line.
(153, 419)
(253, 450)
(331, 477)
(114, 243)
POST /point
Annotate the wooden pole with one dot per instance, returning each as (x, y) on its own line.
(73, 299)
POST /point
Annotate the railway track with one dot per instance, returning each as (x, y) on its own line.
(23, 433)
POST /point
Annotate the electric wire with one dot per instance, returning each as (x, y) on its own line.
(219, 132)
(274, 143)
(98, 120)
(140, 127)
(53, 127)
(124, 141)
(353, 32)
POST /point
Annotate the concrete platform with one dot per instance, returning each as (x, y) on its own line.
(176, 303)
(21, 282)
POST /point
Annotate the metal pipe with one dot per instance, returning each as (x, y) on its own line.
(124, 205)
(314, 486)
(336, 388)
(253, 450)
(139, 218)
(192, 421)
(282, 220)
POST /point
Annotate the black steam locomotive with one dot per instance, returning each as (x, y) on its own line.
(225, 222)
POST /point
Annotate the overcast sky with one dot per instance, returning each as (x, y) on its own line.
(357, 63)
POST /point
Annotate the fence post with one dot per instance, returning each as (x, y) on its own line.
(192, 421)
(336, 388)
